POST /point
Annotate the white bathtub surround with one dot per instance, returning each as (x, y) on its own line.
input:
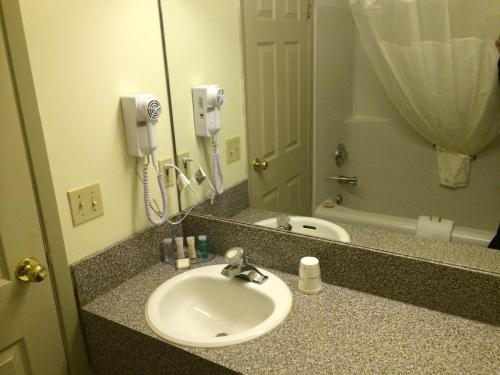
(440, 72)
(396, 166)
(333, 85)
(345, 215)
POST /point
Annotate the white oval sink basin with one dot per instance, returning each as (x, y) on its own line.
(312, 227)
(203, 308)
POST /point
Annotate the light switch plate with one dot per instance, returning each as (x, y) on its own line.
(85, 203)
(233, 151)
(170, 177)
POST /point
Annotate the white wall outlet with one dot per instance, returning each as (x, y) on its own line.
(85, 203)
(184, 167)
(169, 177)
(233, 150)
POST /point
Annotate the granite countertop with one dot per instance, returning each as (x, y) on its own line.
(457, 254)
(338, 331)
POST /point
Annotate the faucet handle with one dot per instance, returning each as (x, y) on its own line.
(283, 221)
(234, 256)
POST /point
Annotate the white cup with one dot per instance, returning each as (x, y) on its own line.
(309, 276)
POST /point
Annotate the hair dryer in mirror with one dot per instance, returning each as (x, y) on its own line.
(207, 100)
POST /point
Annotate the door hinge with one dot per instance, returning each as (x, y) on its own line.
(309, 8)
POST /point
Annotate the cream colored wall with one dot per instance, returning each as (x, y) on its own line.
(203, 39)
(84, 56)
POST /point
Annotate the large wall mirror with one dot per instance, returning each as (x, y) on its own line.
(379, 116)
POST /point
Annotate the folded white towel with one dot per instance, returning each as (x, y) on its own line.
(434, 227)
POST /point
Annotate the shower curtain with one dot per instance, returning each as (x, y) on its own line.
(437, 61)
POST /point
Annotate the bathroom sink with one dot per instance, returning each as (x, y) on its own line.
(312, 227)
(203, 308)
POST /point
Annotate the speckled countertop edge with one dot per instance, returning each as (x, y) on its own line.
(337, 331)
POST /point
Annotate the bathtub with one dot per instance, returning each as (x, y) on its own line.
(341, 214)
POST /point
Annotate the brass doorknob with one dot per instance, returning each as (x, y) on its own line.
(257, 163)
(30, 269)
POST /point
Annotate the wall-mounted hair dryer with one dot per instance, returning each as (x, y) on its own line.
(140, 115)
(207, 100)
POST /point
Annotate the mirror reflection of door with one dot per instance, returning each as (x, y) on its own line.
(30, 337)
(276, 57)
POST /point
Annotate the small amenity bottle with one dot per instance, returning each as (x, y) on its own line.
(203, 246)
(166, 250)
(179, 243)
(191, 247)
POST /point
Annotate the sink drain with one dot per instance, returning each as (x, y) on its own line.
(221, 334)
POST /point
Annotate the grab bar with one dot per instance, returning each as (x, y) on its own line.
(344, 180)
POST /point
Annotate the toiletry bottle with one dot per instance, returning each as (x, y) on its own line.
(203, 246)
(179, 243)
(166, 250)
(191, 247)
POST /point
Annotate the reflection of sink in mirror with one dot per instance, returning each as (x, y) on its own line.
(203, 308)
(312, 227)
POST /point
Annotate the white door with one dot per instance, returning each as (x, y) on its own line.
(276, 45)
(30, 337)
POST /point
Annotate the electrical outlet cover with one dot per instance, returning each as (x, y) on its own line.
(169, 178)
(233, 151)
(184, 168)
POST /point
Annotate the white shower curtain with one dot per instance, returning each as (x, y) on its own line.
(438, 63)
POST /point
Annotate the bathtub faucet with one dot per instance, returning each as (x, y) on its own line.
(344, 180)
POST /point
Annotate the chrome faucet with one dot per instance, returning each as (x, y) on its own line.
(239, 268)
(283, 223)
